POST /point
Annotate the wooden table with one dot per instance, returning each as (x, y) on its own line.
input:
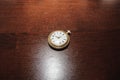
(94, 51)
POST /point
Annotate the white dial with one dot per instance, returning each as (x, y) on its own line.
(58, 39)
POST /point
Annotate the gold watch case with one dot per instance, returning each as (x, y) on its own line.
(61, 46)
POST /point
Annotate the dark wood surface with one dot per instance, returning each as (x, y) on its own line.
(94, 51)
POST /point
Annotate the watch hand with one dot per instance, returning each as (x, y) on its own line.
(57, 37)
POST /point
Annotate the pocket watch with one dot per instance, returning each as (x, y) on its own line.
(59, 39)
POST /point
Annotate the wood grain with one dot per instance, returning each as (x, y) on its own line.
(94, 50)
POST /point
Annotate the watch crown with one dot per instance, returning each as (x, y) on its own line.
(68, 32)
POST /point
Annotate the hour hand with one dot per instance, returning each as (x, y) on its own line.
(57, 37)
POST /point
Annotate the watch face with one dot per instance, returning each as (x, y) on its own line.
(58, 39)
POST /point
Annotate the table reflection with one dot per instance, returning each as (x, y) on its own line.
(53, 68)
(53, 65)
